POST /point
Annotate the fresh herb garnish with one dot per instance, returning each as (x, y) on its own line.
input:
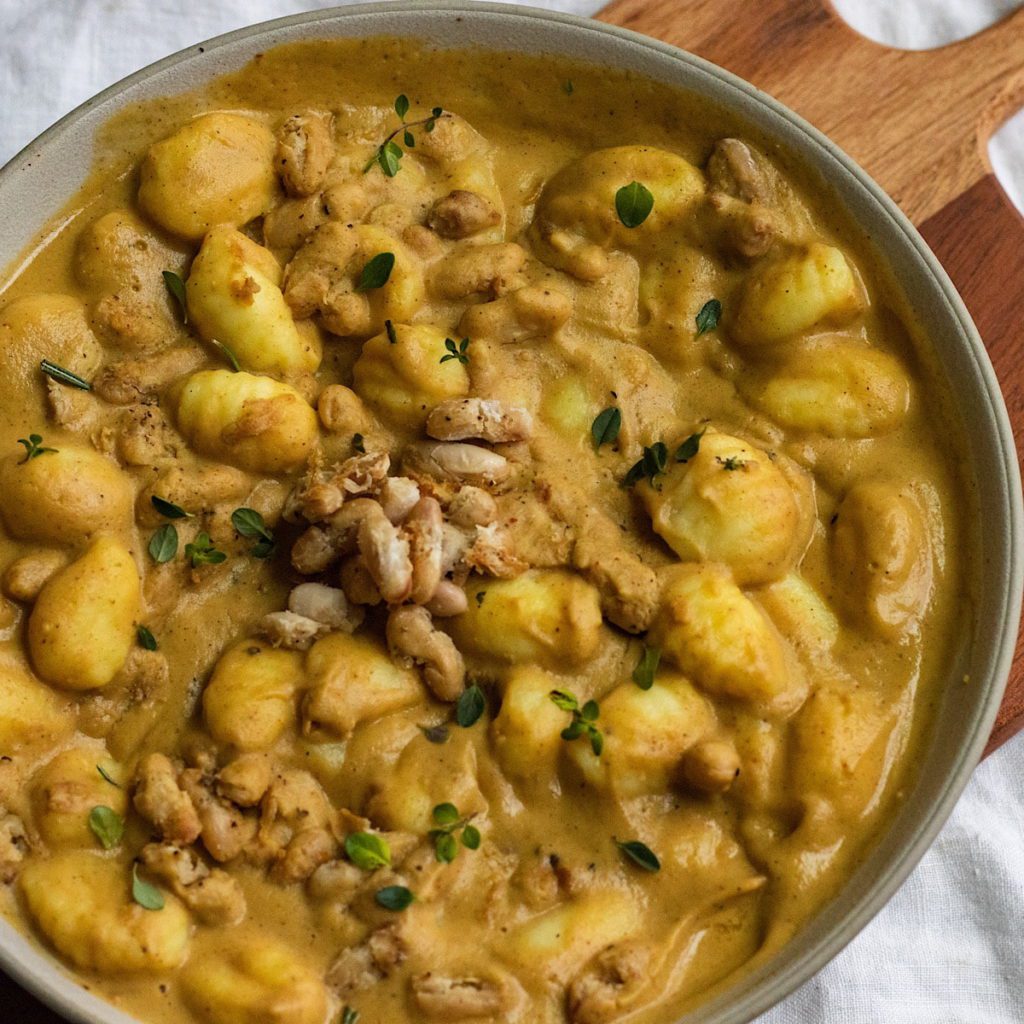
(689, 448)
(449, 829)
(106, 775)
(388, 155)
(606, 426)
(640, 854)
(643, 674)
(394, 897)
(633, 204)
(202, 552)
(163, 545)
(146, 895)
(650, 465)
(349, 1016)
(176, 287)
(730, 462)
(376, 272)
(708, 317)
(168, 509)
(357, 443)
(435, 733)
(456, 351)
(567, 87)
(367, 851)
(62, 376)
(583, 719)
(389, 329)
(145, 637)
(33, 448)
(249, 523)
(470, 706)
(229, 357)
(106, 826)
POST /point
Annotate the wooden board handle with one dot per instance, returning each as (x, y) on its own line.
(919, 122)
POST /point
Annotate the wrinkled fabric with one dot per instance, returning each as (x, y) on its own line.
(947, 949)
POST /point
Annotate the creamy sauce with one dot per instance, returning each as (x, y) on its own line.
(801, 588)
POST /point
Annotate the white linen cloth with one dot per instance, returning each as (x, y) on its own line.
(948, 948)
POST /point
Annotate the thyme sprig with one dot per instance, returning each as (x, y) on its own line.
(388, 155)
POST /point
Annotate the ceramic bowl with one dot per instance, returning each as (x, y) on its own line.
(38, 182)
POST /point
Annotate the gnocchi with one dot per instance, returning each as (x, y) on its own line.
(576, 218)
(786, 297)
(234, 297)
(838, 389)
(881, 556)
(731, 503)
(254, 423)
(81, 903)
(719, 637)
(252, 696)
(402, 380)
(255, 980)
(82, 625)
(546, 617)
(646, 735)
(32, 717)
(526, 731)
(66, 791)
(54, 324)
(351, 680)
(70, 494)
(216, 169)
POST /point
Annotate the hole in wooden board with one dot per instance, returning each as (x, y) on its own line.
(1006, 151)
(922, 24)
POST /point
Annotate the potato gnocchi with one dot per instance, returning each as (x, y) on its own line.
(466, 550)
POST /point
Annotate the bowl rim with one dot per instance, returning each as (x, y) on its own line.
(42, 974)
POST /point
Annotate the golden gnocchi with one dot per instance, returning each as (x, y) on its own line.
(216, 169)
(252, 696)
(547, 617)
(719, 637)
(576, 218)
(71, 494)
(837, 389)
(786, 297)
(83, 622)
(255, 979)
(731, 503)
(234, 297)
(399, 374)
(255, 423)
(79, 900)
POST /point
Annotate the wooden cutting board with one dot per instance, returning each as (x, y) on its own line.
(919, 123)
